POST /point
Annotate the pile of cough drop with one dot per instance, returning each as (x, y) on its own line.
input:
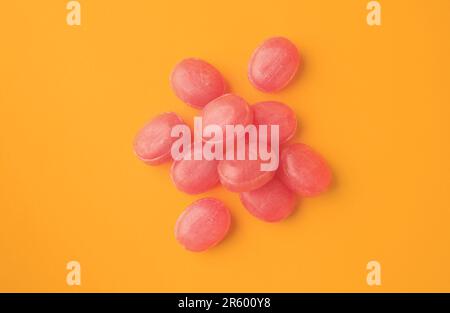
(270, 196)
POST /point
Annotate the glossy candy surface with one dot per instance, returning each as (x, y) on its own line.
(203, 224)
(303, 170)
(194, 176)
(243, 175)
(272, 202)
(275, 113)
(268, 180)
(197, 82)
(228, 109)
(273, 64)
(153, 142)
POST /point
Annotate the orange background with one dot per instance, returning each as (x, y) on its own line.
(374, 101)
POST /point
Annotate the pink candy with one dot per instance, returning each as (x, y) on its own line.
(194, 176)
(203, 224)
(272, 202)
(303, 170)
(273, 64)
(228, 109)
(243, 175)
(268, 193)
(197, 82)
(276, 113)
(153, 143)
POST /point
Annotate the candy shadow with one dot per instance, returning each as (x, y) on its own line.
(295, 81)
(297, 211)
(233, 224)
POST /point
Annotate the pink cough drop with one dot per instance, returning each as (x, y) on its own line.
(276, 113)
(243, 175)
(303, 170)
(197, 82)
(203, 224)
(228, 109)
(153, 142)
(272, 202)
(273, 64)
(194, 176)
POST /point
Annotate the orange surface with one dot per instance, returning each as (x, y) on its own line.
(373, 100)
